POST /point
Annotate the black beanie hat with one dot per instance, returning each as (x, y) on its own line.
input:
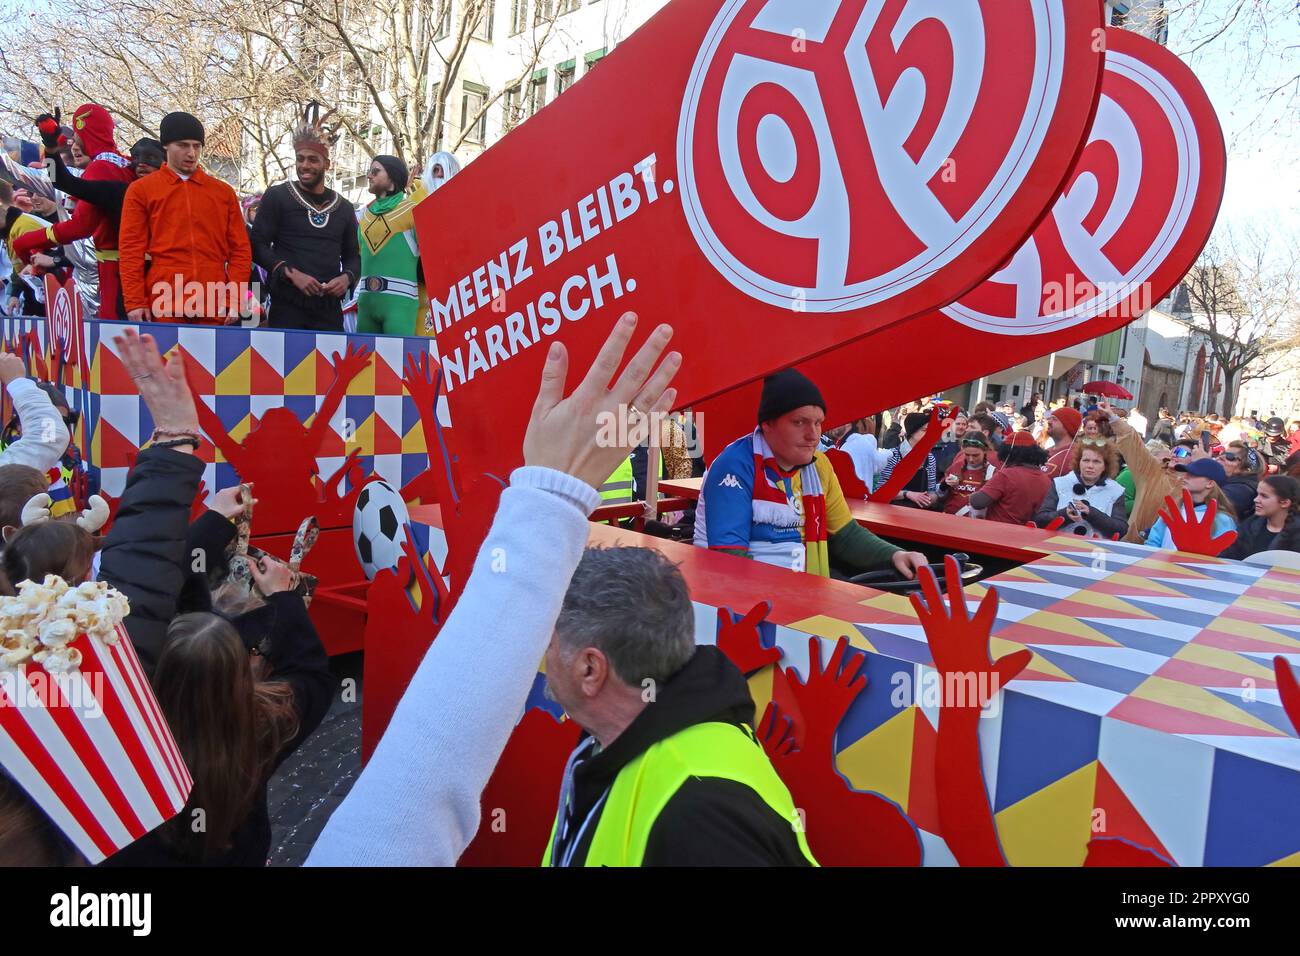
(784, 392)
(397, 171)
(914, 422)
(177, 126)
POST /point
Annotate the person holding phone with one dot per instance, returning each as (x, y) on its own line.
(1088, 498)
(1153, 474)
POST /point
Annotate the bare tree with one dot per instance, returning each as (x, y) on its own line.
(1243, 294)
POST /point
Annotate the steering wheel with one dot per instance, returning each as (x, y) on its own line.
(890, 580)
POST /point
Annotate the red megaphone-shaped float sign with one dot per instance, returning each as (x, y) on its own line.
(773, 177)
(1139, 207)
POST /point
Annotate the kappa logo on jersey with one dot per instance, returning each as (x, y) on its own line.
(1119, 236)
(820, 140)
(730, 482)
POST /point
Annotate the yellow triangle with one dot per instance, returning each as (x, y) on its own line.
(1292, 860)
(413, 440)
(1020, 574)
(1269, 606)
(999, 648)
(364, 383)
(1260, 632)
(365, 436)
(882, 760)
(832, 629)
(760, 688)
(1062, 624)
(1171, 569)
(1198, 700)
(1121, 578)
(892, 603)
(96, 370)
(1223, 660)
(1052, 826)
(302, 380)
(1109, 602)
(236, 378)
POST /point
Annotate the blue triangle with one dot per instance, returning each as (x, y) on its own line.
(1271, 714)
(1042, 742)
(1176, 614)
(1254, 815)
(1085, 671)
(1139, 640)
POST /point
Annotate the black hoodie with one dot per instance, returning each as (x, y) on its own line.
(1241, 491)
(710, 821)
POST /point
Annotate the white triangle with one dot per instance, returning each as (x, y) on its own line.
(1207, 584)
(1175, 632)
(1125, 658)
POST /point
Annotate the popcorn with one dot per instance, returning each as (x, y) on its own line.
(43, 622)
(57, 633)
(59, 661)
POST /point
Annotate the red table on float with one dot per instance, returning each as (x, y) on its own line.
(1012, 542)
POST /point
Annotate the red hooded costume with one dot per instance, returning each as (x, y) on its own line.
(95, 127)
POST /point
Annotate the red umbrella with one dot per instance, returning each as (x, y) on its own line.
(1109, 389)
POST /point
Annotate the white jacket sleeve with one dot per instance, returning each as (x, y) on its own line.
(417, 801)
(45, 437)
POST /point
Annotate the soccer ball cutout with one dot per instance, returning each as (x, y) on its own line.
(378, 527)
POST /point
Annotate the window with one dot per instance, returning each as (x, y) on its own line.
(518, 16)
(489, 12)
(591, 59)
(545, 11)
(1118, 14)
(473, 116)
(567, 6)
(537, 92)
(564, 76)
(444, 25)
(513, 106)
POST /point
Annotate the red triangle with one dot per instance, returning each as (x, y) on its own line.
(387, 381)
(1080, 609)
(115, 450)
(332, 445)
(1203, 675)
(1175, 720)
(1235, 642)
(324, 372)
(262, 377)
(1254, 616)
(113, 379)
(1122, 818)
(387, 442)
(1023, 633)
(202, 381)
(922, 798)
(1121, 590)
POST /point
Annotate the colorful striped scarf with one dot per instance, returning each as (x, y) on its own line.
(807, 512)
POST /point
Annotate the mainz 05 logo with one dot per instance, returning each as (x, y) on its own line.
(834, 154)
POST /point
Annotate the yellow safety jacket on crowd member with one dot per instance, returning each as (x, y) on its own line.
(617, 489)
(685, 784)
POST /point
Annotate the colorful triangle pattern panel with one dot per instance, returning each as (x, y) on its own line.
(228, 365)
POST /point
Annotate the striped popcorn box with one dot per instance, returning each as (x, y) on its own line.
(88, 742)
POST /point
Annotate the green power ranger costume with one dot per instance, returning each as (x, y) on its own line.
(389, 297)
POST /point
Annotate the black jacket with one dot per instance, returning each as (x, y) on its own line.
(1241, 490)
(146, 555)
(1253, 537)
(709, 821)
(298, 658)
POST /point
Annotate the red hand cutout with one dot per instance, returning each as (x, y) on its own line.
(1193, 534)
(816, 707)
(959, 643)
(740, 639)
(915, 459)
(1288, 689)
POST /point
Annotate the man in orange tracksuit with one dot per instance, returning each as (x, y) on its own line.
(92, 128)
(190, 227)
